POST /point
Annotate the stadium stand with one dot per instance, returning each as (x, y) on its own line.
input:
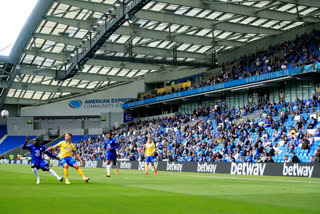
(12, 142)
(216, 134)
(299, 52)
(283, 129)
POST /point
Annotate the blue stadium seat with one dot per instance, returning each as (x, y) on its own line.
(12, 142)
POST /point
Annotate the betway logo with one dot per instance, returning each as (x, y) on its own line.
(174, 167)
(125, 165)
(142, 165)
(207, 168)
(91, 164)
(247, 168)
(4, 161)
(296, 170)
(25, 162)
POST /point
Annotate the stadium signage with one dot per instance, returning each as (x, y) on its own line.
(174, 167)
(206, 168)
(142, 166)
(98, 103)
(4, 161)
(296, 170)
(91, 164)
(125, 165)
(247, 168)
(311, 170)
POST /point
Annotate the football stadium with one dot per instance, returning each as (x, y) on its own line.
(160, 106)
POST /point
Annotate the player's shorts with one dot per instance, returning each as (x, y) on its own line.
(112, 157)
(68, 160)
(149, 159)
(39, 164)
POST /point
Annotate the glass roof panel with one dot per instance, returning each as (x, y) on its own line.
(179, 34)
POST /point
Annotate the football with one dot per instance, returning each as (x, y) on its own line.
(4, 113)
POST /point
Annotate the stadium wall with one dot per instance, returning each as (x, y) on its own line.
(94, 104)
(13, 112)
(18, 126)
(308, 170)
(252, 47)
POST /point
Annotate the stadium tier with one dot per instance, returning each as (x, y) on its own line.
(290, 56)
(219, 135)
(12, 142)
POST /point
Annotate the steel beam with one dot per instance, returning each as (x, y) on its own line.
(240, 10)
(160, 16)
(40, 87)
(117, 47)
(32, 70)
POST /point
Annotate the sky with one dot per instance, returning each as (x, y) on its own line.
(13, 15)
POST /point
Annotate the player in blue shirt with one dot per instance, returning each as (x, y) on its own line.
(110, 146)
(37, 162)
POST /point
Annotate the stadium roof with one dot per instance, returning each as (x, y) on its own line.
(164, 30)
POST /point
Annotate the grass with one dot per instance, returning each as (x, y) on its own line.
(133, 192)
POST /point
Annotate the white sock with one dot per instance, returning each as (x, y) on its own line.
(35, 172)
(108, 169)
(53, 173)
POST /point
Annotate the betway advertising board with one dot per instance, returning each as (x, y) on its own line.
(259, 169)
(109, 100)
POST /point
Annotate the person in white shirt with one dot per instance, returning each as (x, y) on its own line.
(276, 149)
(311, 139)
(287, 159)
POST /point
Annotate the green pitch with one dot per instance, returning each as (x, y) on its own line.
(133, 192)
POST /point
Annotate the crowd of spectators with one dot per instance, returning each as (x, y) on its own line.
(283, 132)
(301, 51)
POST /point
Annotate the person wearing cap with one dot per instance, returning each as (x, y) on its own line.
(295, 158)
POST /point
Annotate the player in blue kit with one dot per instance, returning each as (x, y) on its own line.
(110, 146)
(37, 162)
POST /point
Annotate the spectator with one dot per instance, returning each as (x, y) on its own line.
(295, 159)
(312, 123)
(287, 159)
(317, 155)
(311, 159)
(317, 132)
(269, 159)
(272, 151)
